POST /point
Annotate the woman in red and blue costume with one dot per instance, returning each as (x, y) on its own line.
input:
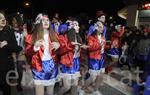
(42, 45)
(70, 45)
(96, 45)
(115, 45)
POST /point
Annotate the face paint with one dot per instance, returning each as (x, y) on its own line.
(45, 22)
(102, 18)
(2, 21)
(76, 26)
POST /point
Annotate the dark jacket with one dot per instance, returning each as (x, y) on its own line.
(6, 60)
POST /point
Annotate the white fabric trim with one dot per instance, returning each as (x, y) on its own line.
(46, 54)
(94, 72)
(115, 56)
(45, 82)
(70, 76)
(103, 70)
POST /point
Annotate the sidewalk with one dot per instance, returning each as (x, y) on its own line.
(111, 86)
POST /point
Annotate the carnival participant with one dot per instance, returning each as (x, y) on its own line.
(43, 44)
(55, 22)
(70, 56)
(114, 51)
(96, 45)
(101, 16)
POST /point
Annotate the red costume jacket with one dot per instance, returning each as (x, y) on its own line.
(66, 51)
(37, 56)
(116, 37)
(94, 47)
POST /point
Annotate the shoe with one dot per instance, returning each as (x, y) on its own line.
(81, 92)
(97, 93)
(103, 70)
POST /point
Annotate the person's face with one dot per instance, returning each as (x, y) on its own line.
(76, 26)
(102, 18)
(14, 23)
(45, 22)
(118, 28)
(100, 27)
(2, 20)
(55, 20)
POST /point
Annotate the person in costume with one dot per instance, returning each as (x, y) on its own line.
(96, 43)
(114, 51)
(70, 46)
(55, 22)
(100, 15)
(43, 45)
(8, 46)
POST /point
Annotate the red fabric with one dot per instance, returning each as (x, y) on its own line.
(37, 56)
(52, 52)
(28, 46)
(104, 40)
(116, 37)
(66, 51)
(94, 47)
(36, 62)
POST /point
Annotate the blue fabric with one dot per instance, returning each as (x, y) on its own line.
(91, 30)
(102, 60)
(50, 71)
(147, 87)
(62, 28)
(71, 70)
(53, 26)
(142, 57)
(105, 30)
(113, 51)
(94, 64)
(136, 89)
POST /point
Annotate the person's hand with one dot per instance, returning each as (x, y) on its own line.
(37, 45)
(84, 46)
(55, 45)
(75, 43)
(3, 43)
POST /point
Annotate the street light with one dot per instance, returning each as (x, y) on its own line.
(18, 13)
(27, 4)
(147, 6)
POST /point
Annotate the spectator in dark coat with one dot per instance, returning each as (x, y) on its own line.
(8, 45)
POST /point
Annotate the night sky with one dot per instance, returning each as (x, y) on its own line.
(65, 7)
